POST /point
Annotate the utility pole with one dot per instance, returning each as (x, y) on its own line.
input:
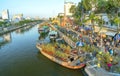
(118, 19)
(64, 22)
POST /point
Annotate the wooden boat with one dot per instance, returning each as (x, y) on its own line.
(53, 34)
(43, 29)
(67, 64)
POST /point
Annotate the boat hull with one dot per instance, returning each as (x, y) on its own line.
(65, 64)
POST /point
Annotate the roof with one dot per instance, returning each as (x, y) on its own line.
(52, 32)
(109, 33)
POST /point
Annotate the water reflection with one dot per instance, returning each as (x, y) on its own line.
(23, 30)
(5, 39)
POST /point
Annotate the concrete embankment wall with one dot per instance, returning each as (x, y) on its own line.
(6, 30)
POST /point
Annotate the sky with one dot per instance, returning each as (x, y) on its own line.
(32, 8)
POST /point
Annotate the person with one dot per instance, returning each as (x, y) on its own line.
(78, 62)
(109, 66)
(111, 51)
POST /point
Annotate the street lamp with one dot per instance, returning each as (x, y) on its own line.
(64, 13)
(119, 18)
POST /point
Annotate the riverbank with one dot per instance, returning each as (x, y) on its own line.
(13, 27)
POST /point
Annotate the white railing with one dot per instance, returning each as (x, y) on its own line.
(93, 70)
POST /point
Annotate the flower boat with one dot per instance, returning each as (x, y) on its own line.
(57, 54)
(53, 34)
(43, 29)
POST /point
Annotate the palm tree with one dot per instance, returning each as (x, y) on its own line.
(117, 22)
(72, 9)
(92, 18)
(60, 18)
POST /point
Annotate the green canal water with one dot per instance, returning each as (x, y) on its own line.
(20, 57)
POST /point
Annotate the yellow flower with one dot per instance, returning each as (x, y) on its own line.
(100, 52)
(98, 65)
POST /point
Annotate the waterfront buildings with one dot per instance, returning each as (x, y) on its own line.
(60, 14)
(28, 18)
(1, 19)
(67, 7)
(5, 14)
(18, 17)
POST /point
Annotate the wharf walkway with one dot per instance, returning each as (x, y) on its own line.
(67, 39)
(93, 70)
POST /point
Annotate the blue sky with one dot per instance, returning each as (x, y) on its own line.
(41, 8)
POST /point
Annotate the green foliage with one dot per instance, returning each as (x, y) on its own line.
(88, 48)
(105, 58)
(116, 20)
(50, 48)
(72, 9)
(2, 23)
(25, 21)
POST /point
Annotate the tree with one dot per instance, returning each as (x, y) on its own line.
(1, 23)
(50, 19)
(117, 22)
(102, 6)
(77, 13)
(72, 9)
(60, 18)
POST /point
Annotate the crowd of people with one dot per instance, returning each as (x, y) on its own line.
(103, 41)
(106, 43)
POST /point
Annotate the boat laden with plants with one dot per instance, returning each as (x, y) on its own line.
(53, 34)
(43, 29)
(61, 54)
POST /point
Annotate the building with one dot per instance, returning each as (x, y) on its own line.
(60, 14)
(17, 17)
(1, 20)
(28, 18)
(37, 18)
(67, 7)
(5, 14)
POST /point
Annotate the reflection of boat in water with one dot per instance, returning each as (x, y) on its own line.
(5, 39)
(60, 54)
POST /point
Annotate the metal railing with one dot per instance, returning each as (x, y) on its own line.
(93, 70)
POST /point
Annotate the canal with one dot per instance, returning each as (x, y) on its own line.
(20, 57)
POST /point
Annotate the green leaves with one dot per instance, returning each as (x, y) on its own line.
(72, 9)
(117, 20)
(23, 22)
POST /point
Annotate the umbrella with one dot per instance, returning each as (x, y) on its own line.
(79, 43)
(118, 37)
(88, 28)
